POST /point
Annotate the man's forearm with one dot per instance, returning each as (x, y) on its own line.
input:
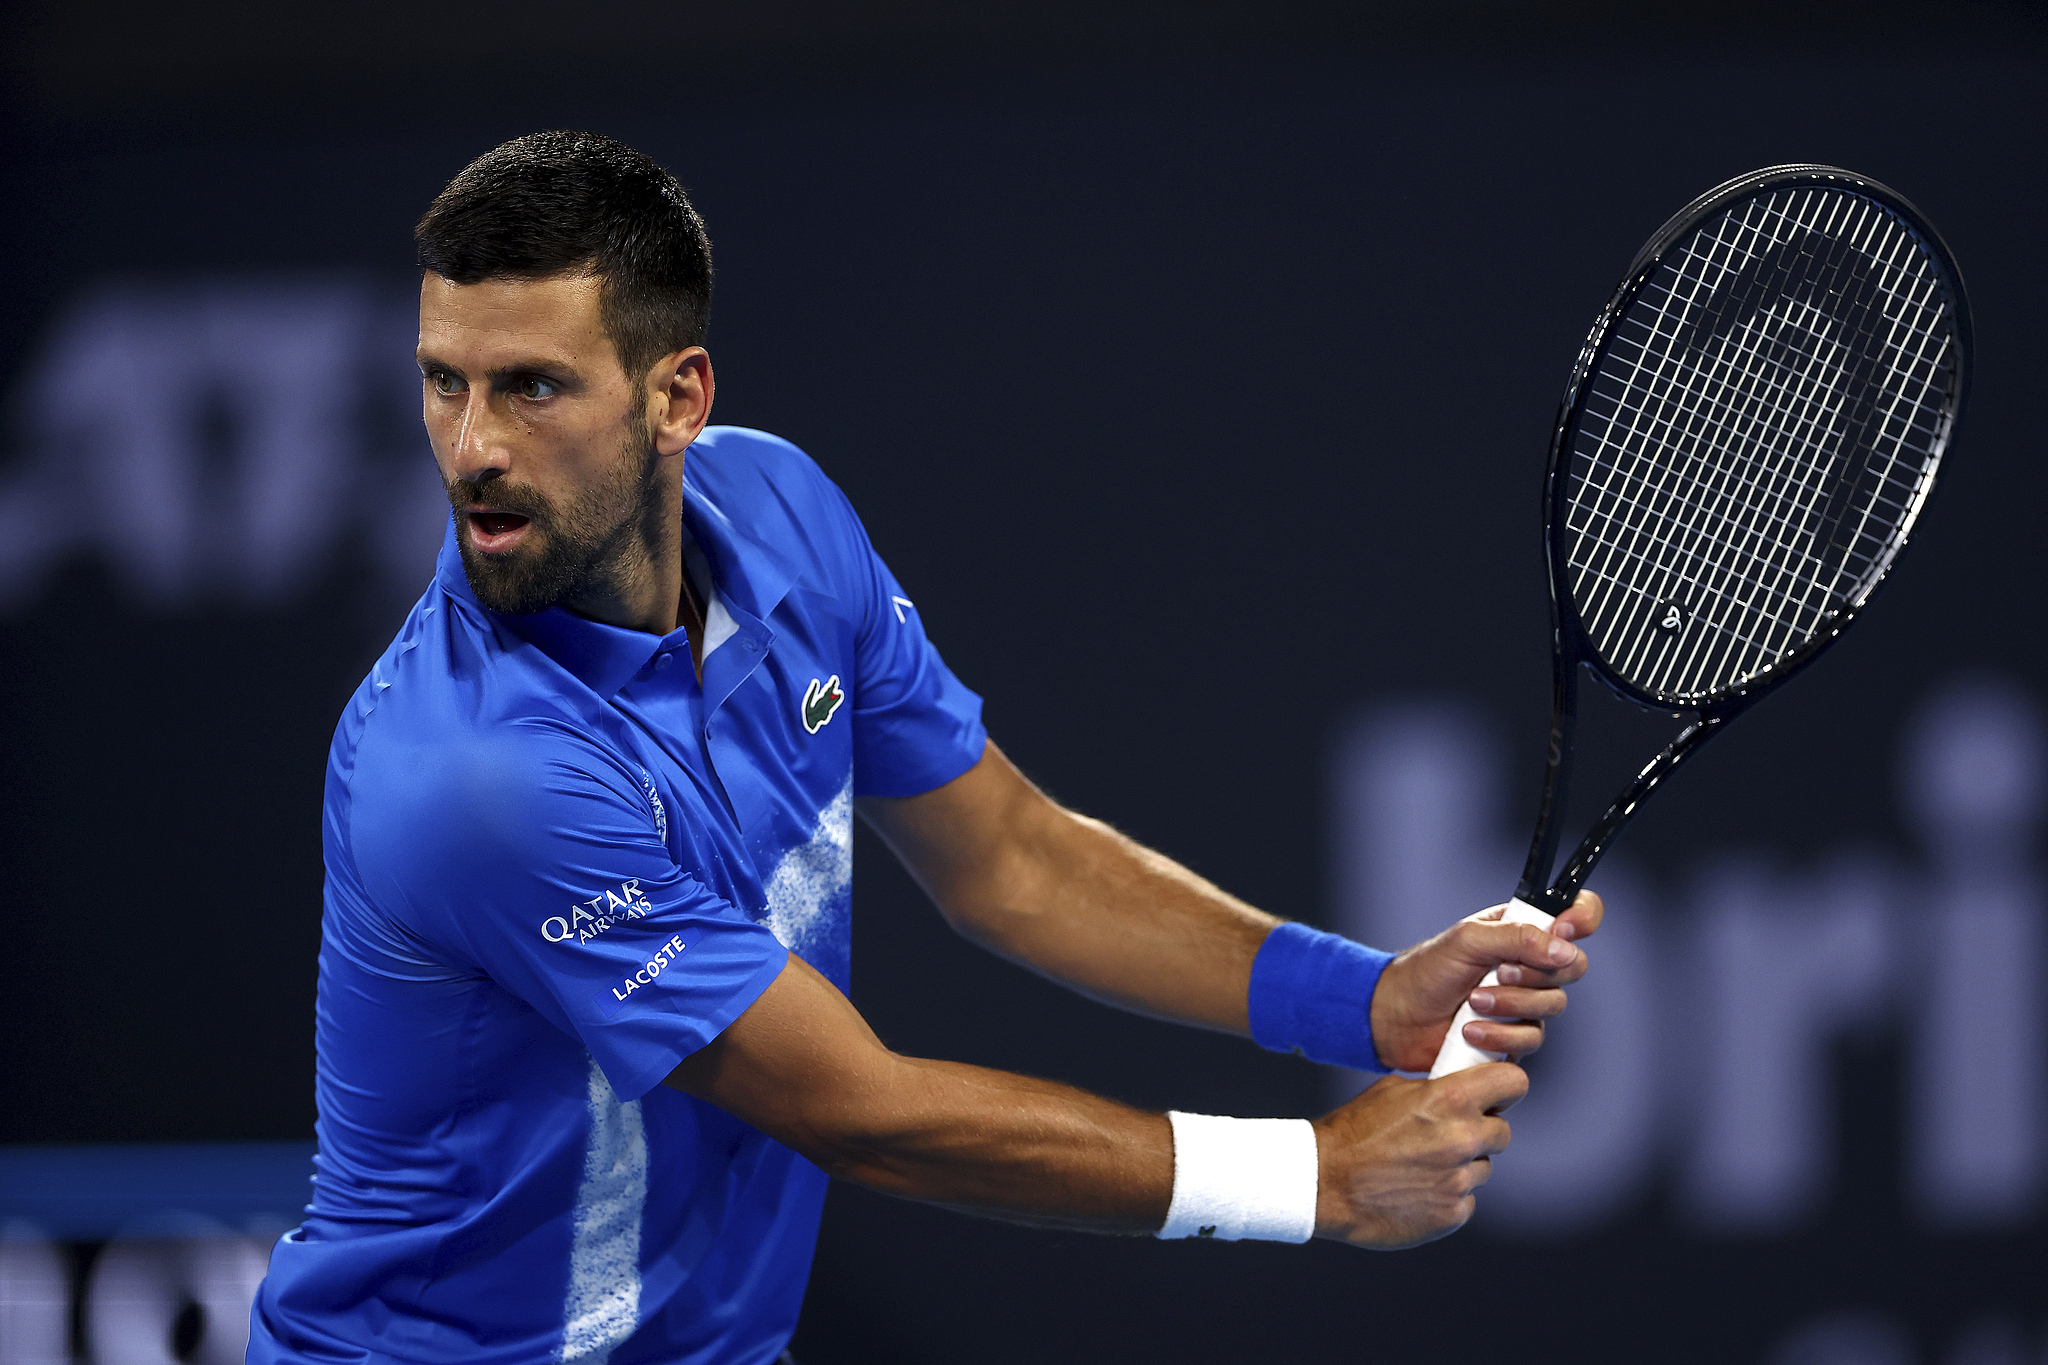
(1073, 899)
(808, 1071)
(992, 1142)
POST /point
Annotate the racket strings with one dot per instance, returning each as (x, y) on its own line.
(1747, 355)
(1756, 439)
(1768, 500)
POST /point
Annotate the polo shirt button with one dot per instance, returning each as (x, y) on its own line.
(751, 646)
(664, 660)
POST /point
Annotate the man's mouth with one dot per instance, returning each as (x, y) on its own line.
(496, 531)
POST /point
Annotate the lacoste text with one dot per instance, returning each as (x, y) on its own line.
(655, 965)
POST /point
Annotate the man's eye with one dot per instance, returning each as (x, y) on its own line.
(534, 388)
(444, 383)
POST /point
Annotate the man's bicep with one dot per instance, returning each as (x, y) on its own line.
(800, 1064)
(967, 842)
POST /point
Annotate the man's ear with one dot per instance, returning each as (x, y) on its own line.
(679, 392)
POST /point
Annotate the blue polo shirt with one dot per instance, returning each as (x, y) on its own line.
(556, 866)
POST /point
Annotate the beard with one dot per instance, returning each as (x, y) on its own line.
(577, 548)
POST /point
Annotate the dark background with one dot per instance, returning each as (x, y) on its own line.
(1193, 367)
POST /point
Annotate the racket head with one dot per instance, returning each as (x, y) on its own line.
(1750, 434)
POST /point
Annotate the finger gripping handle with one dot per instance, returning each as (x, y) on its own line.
(1456, 1054)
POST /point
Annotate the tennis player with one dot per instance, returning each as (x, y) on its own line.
(585, 1052)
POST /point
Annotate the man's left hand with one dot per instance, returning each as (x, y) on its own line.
(1423, 987)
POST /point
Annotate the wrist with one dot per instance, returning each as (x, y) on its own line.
(1243, 1179)
(1312, 992)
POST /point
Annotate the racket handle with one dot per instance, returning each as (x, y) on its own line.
(1457, 1054)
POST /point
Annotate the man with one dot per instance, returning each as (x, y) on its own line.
(585, 1053)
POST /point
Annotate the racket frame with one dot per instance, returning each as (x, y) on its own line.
(1570, 647)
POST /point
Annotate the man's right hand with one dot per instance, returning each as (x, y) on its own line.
(1400, 1162)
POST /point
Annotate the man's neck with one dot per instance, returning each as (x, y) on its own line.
(645, 590)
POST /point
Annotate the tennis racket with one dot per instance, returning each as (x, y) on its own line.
(1747, 440)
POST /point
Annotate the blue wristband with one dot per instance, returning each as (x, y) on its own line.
(1312, 994)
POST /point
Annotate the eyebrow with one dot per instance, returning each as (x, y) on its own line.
(559, 370)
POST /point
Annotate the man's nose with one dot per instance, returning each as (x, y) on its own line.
(480, 448)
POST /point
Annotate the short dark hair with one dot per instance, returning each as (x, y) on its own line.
(562, 202)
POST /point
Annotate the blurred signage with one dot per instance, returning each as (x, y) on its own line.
(1700, 1043)
(176, 1236)
(219, 441)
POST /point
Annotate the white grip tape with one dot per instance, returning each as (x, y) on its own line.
(1457, 1054)
(1242, 1178)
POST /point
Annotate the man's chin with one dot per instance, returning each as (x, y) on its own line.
(515, 583)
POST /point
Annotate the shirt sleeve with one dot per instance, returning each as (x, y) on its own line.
(534, 858)
(915, 725)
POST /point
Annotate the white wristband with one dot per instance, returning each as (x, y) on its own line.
(1242, 1178)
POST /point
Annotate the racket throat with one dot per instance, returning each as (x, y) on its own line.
(1557, 781)
(1556, 897)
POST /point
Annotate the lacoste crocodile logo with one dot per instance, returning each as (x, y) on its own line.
(820, 701)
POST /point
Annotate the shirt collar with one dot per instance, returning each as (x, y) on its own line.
(749, 574)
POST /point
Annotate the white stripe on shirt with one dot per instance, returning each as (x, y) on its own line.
(603, 1305)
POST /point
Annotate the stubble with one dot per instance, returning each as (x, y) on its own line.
(589, 547)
